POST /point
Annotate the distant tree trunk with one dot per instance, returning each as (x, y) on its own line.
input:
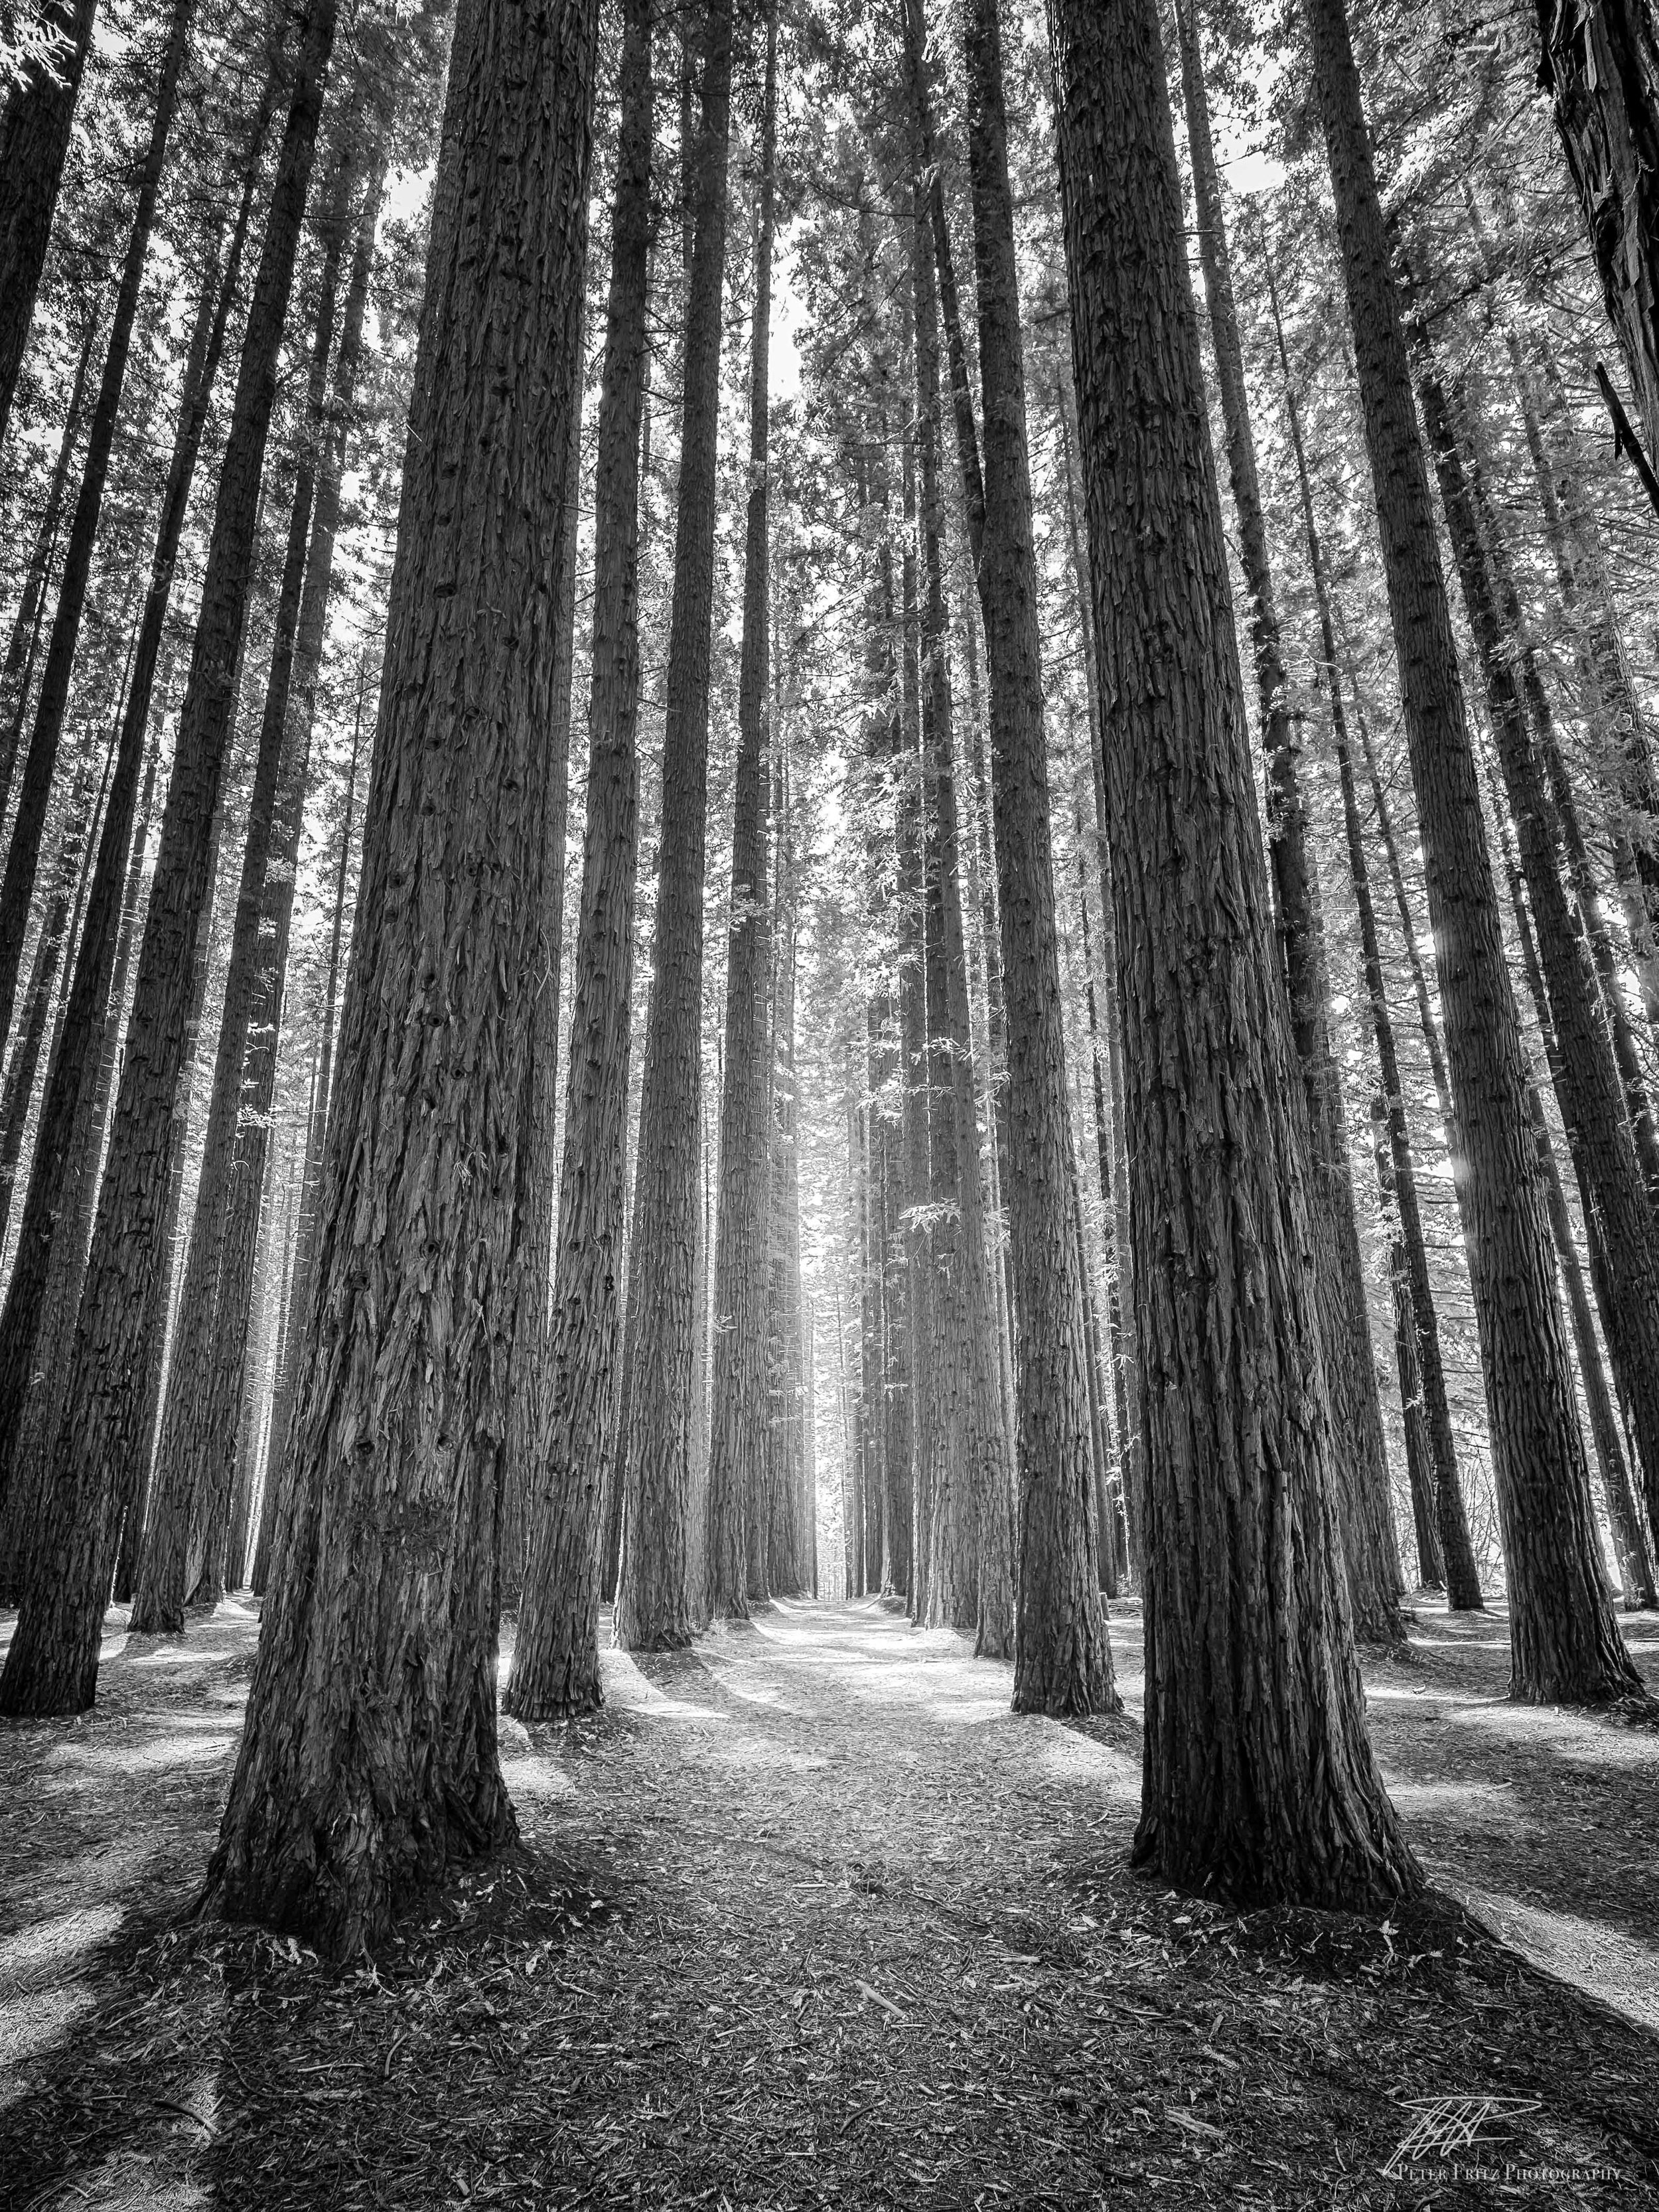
(308, 1231)
(556, 1663)
(1259, 1782)
(651, 1612)
(26, 625)
(1419, 1452)
(736, 1433)
(93, 1469)
(44, 1288)
(17, 885)
(333, 1821)
(34, 140)
(1452, 1548)
(786, 1568)
(1062, 1661)
(973, 1579)
(1635, 1566)
(538, 1120)
(191, 1442)
(1563, 1645)
(54, 937)
(1601, 67)
(1370, 1547)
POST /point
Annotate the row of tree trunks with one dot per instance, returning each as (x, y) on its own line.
(1062, 1661)
(17, 885)
(1564, 1643)
(1368, 1546)
(91, 1469)
(1445, 1552)
(171, 1565)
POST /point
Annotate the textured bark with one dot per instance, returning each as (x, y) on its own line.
(1258, 1780)
(34, 138)
(651, 1609)
(17, 885)
(1563, 1641)
(93, 1468)
(1062, 1661)
(26, 625)
(1452, 1548)
(1370, 1547)
(1600, 67)
(556, 1661)
(369, 1762)
(736, 1433)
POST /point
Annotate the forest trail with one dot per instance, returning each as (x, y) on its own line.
(808, 1916)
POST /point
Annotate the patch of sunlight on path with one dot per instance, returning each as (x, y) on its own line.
(1618, 1969)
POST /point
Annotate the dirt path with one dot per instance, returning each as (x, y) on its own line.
(808, 1917)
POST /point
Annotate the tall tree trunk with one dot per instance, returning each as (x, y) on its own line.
(1419, 1454)
(1563, 1645)
(538, 1123)
(737, 1434)
(555, 1662)
(54, 938)
(1452, 1547)
(1601, 67)
(26, 625)
(1370, 1547)
(402, 1402)
(190, 1434)
(17, 886)
(973, 1581)
(34, 140)
(93, 1468)
(1259, 1782)
(651, 1611)
(1063, 1660)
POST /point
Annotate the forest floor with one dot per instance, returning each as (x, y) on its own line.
(807, 1917)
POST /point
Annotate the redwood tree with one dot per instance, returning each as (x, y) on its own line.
(556, 1661)
(651, 1601)
(369, 1760)
(1260, 1781)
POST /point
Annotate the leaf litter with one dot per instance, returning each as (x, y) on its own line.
(810, 1919)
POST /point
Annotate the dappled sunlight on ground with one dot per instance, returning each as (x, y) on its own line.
(809, 1916)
